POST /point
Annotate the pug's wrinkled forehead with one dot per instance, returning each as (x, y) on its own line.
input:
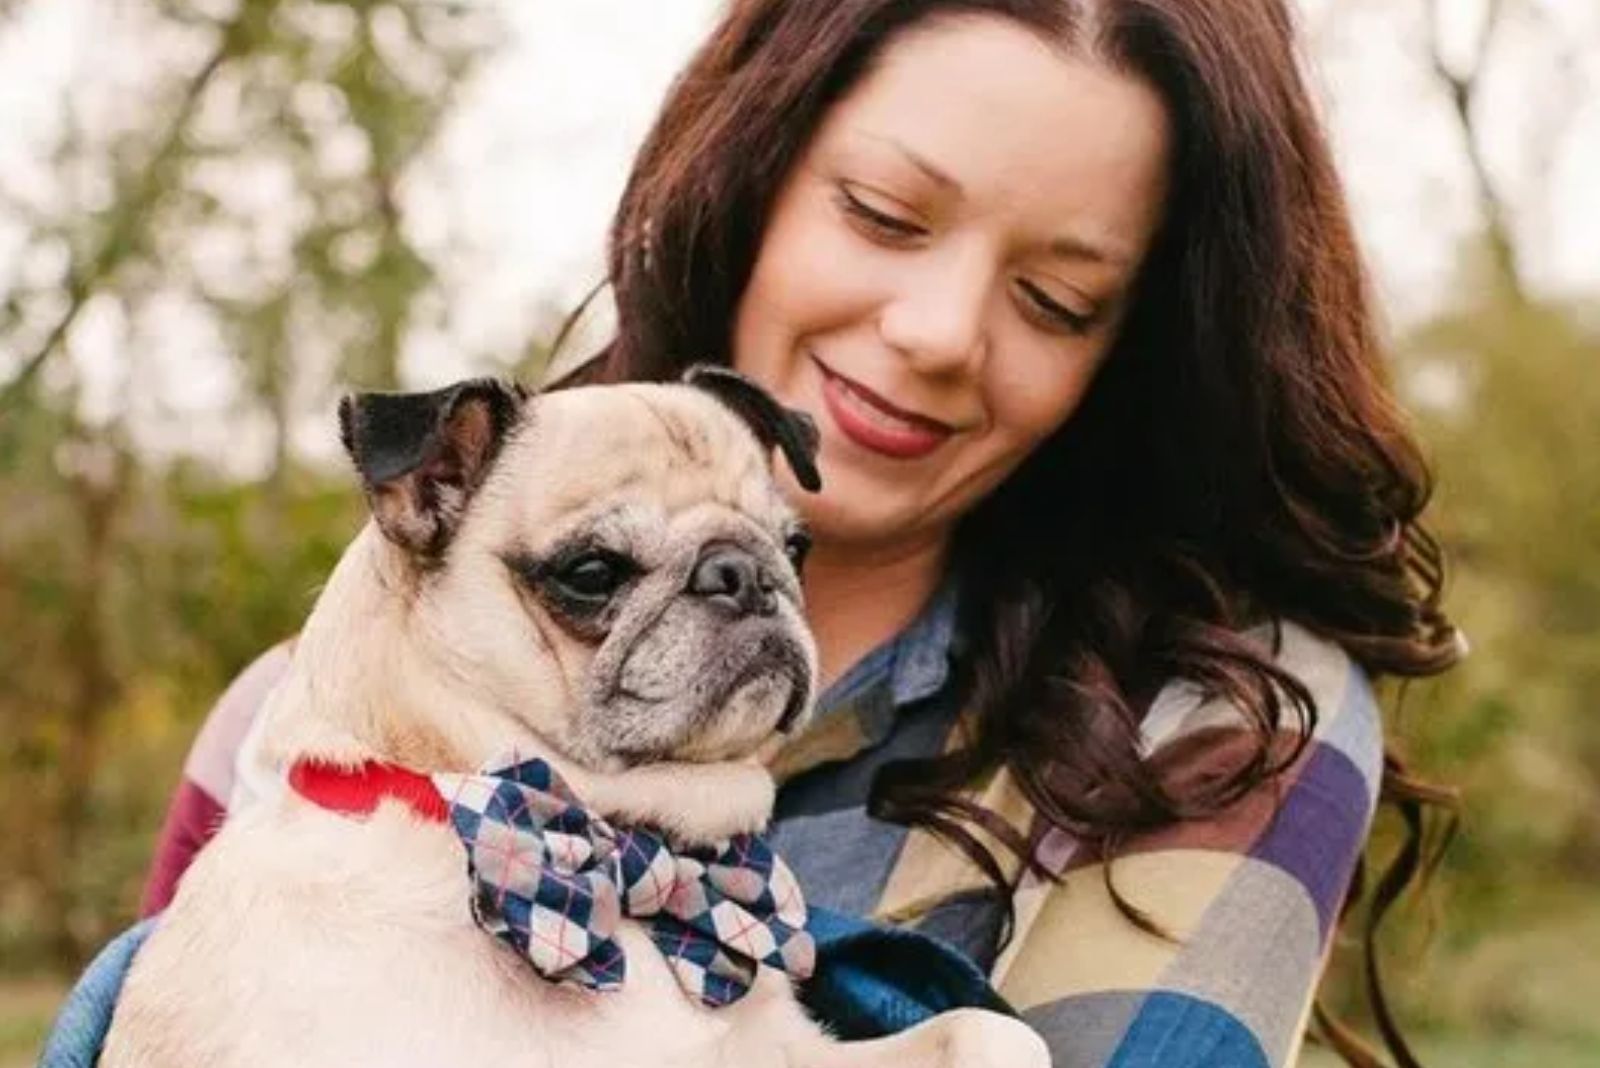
(426, 458)
(676, 448)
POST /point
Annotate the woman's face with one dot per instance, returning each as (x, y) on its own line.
(946, 267)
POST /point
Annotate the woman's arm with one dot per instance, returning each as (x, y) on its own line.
(1250, 897)
(201, 799)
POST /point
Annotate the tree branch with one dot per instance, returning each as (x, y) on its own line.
(1463, 89)
(132, 213)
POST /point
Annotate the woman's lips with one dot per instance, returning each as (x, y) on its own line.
(875, 424)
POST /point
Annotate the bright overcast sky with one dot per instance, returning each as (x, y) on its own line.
(521, 183)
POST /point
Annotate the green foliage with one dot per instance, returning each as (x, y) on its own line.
(196, 577)
(132, 592)
(1519, 505)
(1508, 405)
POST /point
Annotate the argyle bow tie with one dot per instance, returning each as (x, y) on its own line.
(553, 880)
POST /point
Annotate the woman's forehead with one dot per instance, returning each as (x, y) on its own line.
(983, 111)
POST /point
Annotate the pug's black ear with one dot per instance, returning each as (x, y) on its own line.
(422, 455)
(775, 426)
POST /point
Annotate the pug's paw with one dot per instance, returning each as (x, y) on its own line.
(975, 1038)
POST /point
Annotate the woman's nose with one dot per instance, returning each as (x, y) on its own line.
(937, 315)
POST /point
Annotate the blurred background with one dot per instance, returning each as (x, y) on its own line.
(215, 215)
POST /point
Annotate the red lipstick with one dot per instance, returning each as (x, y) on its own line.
(876, 425)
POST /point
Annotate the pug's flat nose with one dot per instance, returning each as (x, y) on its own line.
(732, 579)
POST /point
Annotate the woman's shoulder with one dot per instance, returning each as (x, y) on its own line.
(210, 774)
(211, 761)
(1249, 894)
(1348, 720)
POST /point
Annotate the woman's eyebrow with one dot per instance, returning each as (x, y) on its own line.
(1064, 246)
(1074, 247)
(929, 169)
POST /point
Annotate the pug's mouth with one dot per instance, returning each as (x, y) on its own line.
(729, 707)
(758, 677)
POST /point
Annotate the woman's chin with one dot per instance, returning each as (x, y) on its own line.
(861, 515)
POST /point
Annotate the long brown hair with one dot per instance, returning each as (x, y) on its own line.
(1238, 459)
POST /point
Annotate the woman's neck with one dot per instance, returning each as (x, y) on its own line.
(857, 598)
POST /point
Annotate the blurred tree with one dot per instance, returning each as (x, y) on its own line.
(1507, 399)
(1464, 86)
(255, 187)
(1503, 388)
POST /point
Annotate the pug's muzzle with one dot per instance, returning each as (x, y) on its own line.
(706, 670)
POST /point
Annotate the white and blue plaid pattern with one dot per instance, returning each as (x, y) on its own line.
(553, 880)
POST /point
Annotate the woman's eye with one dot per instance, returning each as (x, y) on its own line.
(1052, 312)
(876, 220)
(795, 547)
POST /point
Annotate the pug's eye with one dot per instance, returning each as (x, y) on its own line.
(593, 577)
(795, 547)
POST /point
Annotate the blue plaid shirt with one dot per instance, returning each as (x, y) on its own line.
(895, 704)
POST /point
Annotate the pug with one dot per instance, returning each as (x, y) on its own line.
(603, 583)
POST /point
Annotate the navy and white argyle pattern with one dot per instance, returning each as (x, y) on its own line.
(553, 880)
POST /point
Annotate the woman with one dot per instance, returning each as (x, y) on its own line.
(1118, 515)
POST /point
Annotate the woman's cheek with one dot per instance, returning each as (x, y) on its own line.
(1029, 394)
